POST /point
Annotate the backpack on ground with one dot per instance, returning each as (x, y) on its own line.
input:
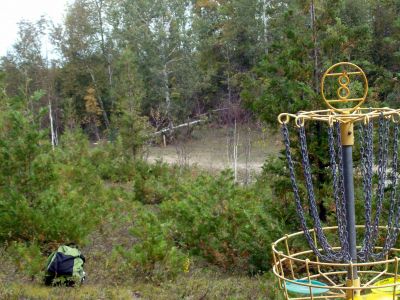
(65, 267)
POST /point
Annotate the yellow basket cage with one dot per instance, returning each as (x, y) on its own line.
(300, 273)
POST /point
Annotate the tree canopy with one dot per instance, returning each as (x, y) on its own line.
(173, 60)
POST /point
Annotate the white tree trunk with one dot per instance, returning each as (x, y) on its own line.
(187, 124)
(235, 151)
(247, 154)
(265, 25)
(54, 138)
(167, 96)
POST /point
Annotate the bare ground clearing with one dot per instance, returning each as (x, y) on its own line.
(211, 148)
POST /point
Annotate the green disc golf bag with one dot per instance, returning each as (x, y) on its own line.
(65, 267)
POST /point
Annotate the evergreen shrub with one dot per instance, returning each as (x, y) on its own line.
(156, 183)
(226, 223)
(154, 254)
(45, 196)
(112, 163)
(204, 216)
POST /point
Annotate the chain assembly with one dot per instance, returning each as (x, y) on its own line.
(299, 206)
(366, 131)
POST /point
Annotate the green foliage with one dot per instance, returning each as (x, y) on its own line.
(227, 224)
(111, 162)
(223, 222)
(185, 58)
(60, 196)
(45, 196)
(156, 183)
(175, 59)
(134, 131)
(155, 254)
(287, 80)
(275, 174)
(27, 258)
(25, 172)
(132, 127)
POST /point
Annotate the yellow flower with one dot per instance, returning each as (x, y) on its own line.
(186, 265)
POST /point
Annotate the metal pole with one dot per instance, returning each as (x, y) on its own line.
(347, 136)
(349, 198)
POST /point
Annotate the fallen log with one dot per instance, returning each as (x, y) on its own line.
(187, 124)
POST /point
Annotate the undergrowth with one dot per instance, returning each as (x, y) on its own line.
(152, 224)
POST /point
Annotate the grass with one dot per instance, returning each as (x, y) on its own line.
(105, 282)
(202, 284)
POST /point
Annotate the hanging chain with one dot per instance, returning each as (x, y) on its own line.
(382, 164)
(329, 255)
(393, 177)
(366, 149)
(367, 164)
(311, 195)
(394, 182)
(299, 207)
(393, 218)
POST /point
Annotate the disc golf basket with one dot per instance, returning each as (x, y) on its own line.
(333, 265)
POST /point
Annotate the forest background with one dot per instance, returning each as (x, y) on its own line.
(128, 69)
